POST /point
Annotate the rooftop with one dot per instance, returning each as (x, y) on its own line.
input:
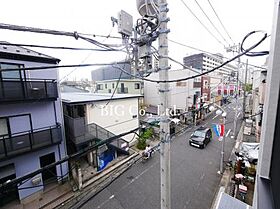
(10, 51)
(74, 98)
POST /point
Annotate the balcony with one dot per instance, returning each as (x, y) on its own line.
(29, 141)
(122, 90)
(12, 90)
(79, 132)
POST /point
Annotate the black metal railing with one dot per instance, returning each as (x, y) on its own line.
(17, 90)
(19, 143)
(79, 132)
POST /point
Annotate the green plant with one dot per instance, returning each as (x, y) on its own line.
(141, 144)
(142, 139)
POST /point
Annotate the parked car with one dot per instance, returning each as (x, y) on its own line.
(201, 137)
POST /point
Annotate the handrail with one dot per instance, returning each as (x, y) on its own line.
(28, 79)
(34, 130)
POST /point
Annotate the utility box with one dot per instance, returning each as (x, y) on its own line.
(125, 23)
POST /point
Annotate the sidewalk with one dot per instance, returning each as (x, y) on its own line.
(228, 174)
(62, 195)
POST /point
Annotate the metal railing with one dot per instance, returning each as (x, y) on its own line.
(18, 90)
(79, 132)
(22, 142)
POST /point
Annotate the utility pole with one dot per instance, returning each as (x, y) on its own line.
(236, 97)
(237, 47)
(245, 83)
(164, 105)
(223, 145)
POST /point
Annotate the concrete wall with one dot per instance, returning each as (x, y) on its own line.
(119, 116)
(181, 94)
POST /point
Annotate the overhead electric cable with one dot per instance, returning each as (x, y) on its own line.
(202, 24)
(201, 50)
(55, 47)
(211, 22)
(204, 73)
(65, 159)
(220, 21)
(64, 66)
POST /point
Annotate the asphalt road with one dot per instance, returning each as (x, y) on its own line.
(194, 178)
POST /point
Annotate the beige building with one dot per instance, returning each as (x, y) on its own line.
(124, 86)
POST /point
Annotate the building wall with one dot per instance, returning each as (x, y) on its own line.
(182, 93)
(109, 73)
(29, 162)
(119, 116)
(129, 84)
(43, 114)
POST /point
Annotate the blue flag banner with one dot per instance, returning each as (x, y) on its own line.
(216, 129)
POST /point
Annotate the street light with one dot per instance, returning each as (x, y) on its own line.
(223, 113)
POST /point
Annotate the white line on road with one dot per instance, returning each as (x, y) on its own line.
(228, 132)
(215, 117)
(126, 185)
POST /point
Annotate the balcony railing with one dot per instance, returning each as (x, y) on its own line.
(79, 132)
(12, 90)
(122, 90)
(29, 141)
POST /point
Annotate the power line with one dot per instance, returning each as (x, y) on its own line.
(211, 21)
(52, 32)
(220, 20)
(65, 159)
(201, 50)
(205, 73)
(56, 47)
(75, 34)
(83, 61)
(202, 24)
(65, 66)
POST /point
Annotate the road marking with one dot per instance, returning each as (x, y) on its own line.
(126, 185)
(238, 115)
(228, 132)
(215, 116)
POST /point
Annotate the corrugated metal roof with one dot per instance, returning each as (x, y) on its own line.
(71, 98)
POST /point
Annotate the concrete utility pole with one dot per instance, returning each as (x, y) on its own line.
(223, 146)
(164, 105)
(244, 96)
(237, 86)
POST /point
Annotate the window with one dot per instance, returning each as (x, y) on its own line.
(13, 74)
(109, 90)
(99, 86)
(105, 85)
(3, 127)
(181, 84)
(137, 85)
(113, 85)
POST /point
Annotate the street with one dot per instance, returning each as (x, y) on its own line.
(194, 178)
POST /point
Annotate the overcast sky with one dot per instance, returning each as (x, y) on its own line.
(94, 17)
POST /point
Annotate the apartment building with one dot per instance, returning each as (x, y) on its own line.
(31, 123)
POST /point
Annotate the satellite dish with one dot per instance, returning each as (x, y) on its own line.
(147, 7)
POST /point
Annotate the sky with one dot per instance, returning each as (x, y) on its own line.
(94, 17)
